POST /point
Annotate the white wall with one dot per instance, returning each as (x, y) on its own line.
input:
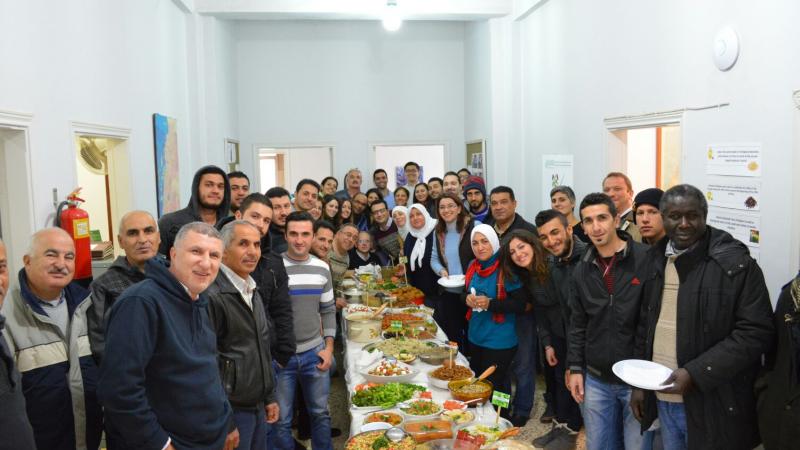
(477, 83)
(581, 62)
(350, 85)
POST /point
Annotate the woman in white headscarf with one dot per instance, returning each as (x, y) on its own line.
(400, 218)
(418, 247)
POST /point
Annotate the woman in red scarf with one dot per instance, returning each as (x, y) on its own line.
(493, 303)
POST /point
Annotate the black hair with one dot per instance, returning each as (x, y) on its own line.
(325, 180)
(684, 190)
(464, 169)
(503, 190)
(306, 181)
(549, 214)
(238, 174)
(449, 172)
(408, 194)
(380, 200)
(411, 163)
(377, 171)
(255, 197)
(432, 179)
(376, 191)
(277, 192)
(598, 198)
(298, 216)
(322, 223)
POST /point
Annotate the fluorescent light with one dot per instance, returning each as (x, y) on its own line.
(392, 20)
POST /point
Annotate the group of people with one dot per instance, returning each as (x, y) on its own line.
(217, 325)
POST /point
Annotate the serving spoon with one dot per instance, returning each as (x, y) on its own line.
(490, 370)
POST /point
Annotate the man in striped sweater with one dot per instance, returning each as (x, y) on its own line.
(314, 312)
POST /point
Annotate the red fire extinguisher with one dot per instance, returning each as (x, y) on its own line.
(75, 221)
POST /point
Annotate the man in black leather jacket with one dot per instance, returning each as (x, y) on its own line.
(239, 319)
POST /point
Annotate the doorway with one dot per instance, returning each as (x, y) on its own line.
(650, 155)
(286, 166)
(16, 189)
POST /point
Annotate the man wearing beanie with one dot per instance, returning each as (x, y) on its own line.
(647, 215)
(475, 194)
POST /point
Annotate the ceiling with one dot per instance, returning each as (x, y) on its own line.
(458, 10)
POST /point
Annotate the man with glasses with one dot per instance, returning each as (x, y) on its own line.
(384, 231)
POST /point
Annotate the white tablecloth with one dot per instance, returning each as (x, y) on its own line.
(354, 377)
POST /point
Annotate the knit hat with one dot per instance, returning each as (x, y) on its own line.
(474, 182)
(650, 197)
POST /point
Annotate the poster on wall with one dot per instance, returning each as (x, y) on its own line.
(743, 226)
(165, 136)
(476, 158)
(734, 192)
(740, 159)
(556, 171)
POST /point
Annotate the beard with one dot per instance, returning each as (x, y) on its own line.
(206, 205)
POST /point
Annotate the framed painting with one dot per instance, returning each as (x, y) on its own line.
(165, 136)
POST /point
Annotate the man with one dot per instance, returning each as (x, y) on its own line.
(306, 195)
(210, 202)
(323, 239)
(240, 188)
(46, 333)
(604, 311)
(451, 184)
(384, 231)
(618, 186)
(159, 380)
(464, 174)
(352, 185)
(707, 317)
(475, 195)
(14, 426)
(271, 280)
(435, 187)
(503, 216)
(240, 322)
(314, 312)
(281, 207)
(647, 217)
(339, 255)
(411, 170)
(360, 211)
(380, 179)
(565, 250)
(139, 239)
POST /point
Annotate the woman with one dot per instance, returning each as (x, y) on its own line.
(345, 211)
(562, 199)
(419, 247)
(451, 255)
(329, 185)
(373, 195)
(494, 302)
(401, 196)
(330, 209)
(316, 211)
(400, 217)
(422, 195)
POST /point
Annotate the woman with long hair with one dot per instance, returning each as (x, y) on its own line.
(345, 211)
(419, 248)
(330, 209)
(494, 302)
(422, 195)
(329, 185)
(451, 255)
(401, 196)
(373, 195)
(562, 199)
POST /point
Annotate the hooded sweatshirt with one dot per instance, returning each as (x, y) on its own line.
(159, 378)
(169, 224)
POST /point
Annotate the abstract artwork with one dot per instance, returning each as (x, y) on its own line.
(165, 134)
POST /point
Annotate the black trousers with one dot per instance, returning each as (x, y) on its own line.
(566, 409)
(451, 315)
(482, 358)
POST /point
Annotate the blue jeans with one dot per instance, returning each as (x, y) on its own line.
(608, 418)
(524, 365)
(252, 427)
(673, 425)
(316, 385)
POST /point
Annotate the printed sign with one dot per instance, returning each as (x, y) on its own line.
(556, 171)
(501, 399)
(397, 324)
(743, 226)
(734, 192)
(740, 159)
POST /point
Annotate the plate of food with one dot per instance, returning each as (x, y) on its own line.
(444, 374)
(458, 417)
(384, 395)
(393, 418)
(389, 370)
(421, 409)
(488, 431)
(376, 440)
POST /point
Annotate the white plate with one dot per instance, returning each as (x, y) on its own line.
(452, 281)
(374, 426)
(642, 374)
(393, 379)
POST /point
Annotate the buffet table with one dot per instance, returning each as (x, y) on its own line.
(353, 376)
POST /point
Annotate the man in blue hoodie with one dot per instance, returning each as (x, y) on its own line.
(210, 203)
(159, 380)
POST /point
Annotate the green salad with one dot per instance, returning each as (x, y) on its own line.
(386, 394)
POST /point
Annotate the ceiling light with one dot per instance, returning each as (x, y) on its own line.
(392, 21)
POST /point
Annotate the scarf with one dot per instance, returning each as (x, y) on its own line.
(490, 270)
(403, 231)
(421, 234)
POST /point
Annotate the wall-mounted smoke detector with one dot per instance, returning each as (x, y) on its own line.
(726, 48)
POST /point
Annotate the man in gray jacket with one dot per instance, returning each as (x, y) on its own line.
(239, 319)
